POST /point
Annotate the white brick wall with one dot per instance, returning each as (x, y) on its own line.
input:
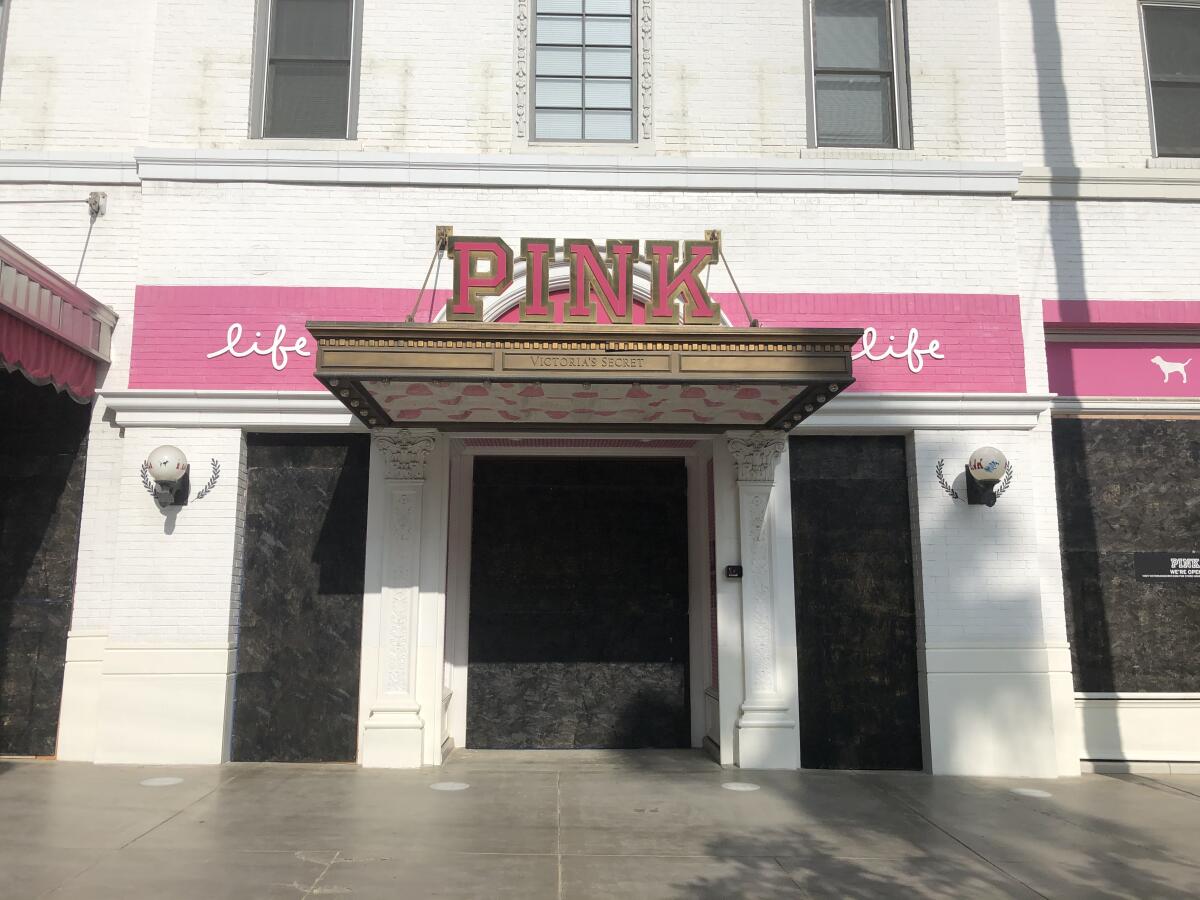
(279, 234)
(1116, 251)
(96, 568)
(980, 567)
(178, 572)
(77, 74)
(1031, 80)
(1074, 82)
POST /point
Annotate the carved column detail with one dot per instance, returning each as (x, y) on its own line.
(406, 453)
(766, 724)
(400, 590)
(646, 75)
(758, 609)
(521, 63)
(755, 454)
(394, 722)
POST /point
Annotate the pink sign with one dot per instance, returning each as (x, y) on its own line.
(1079, 369)
(1132, 367)
(247, 338)
(911, 342)
(254, 338)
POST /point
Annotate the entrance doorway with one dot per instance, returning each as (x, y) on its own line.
(578, 630)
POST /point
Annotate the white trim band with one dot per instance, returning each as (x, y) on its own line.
(319, 411)
(1109, 184)
(1127, 406)
(588, 171)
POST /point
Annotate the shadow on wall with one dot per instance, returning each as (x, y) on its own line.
(1066, 233)
(41, 498)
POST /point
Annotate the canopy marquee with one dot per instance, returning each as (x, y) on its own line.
(50, 330)
(461, 376)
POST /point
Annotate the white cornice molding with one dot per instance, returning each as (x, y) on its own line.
(1127, 406)
(582, 171)
(30, 167)
(260, 410)
(1109, 184)
(319, 411)
(627, 172)
(872, 412)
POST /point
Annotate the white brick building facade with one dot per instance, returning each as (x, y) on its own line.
(1032, 174)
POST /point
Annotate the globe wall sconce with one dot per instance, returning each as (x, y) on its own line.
(165, 477)
(988, 475)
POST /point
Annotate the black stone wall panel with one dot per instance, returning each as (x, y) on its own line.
(1128, 486)
(296, 694)
(579, 604)
(856, 617)
(43, 442)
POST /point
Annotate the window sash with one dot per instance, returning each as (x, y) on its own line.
(598, 65)
(267, 63)
(3, 35)
(1159, 148)
(894, 75)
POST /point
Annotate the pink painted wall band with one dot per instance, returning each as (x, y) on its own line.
(185, 337)
(1118, 313)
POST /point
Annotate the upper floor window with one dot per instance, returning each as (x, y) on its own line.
(1173, 62)
(583, 86)
(306, 64)
(859, 86)
(3, 30)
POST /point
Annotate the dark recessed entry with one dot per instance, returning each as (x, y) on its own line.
(856, 616)
(296, 695)
(41, 499)
(579, 604)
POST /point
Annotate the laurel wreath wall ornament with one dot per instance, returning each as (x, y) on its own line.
(1004, 485)
(941, 477)
(154, 490)
(212, 482)
(1005, 482)
(147, 483)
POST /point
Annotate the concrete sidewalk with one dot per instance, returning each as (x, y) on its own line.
(586, 825)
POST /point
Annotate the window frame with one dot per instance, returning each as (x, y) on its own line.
(264, 18)
(1178, 4)
(5, 6)
(901, 95)
(634, 87)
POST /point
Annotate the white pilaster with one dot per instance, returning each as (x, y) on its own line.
(995, 664)
(767, 727)
(166, 673)
(404, 601)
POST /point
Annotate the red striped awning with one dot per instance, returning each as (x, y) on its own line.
(50, 330)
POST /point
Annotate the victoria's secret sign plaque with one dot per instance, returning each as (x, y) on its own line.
(483, 267)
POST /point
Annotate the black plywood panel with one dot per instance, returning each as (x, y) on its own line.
(296, 696)
(579, 605)
(856, 617)
(1128, 486)
(43, 443)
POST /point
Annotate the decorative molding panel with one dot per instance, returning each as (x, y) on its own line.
(756, 454)
(406, 453)
(400, 590)
(523, 51)
(757, 587)
(645, 53)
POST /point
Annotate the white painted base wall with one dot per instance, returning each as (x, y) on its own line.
(991, 712)
(78, 717)
(163, 704)
(1139, 727)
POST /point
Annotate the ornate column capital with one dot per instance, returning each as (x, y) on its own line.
(406, 452)
(755, 454)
